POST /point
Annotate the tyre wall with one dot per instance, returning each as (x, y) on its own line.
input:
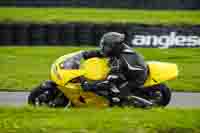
(89, 34)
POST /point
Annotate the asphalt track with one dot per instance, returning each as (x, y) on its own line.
(179, 99)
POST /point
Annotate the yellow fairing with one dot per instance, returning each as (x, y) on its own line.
(64, 76)
(160, 72)
(96, 68)
(75, 93)
(92, 69)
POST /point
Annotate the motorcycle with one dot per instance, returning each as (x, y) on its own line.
(66, 89)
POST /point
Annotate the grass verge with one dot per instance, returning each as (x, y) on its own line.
(22, 68)
(63, 15)
(112, 120)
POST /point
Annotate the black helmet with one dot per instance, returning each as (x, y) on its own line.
(111, 43)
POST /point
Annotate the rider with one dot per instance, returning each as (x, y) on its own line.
(126, 64)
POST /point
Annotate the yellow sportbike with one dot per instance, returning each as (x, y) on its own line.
(67, 86)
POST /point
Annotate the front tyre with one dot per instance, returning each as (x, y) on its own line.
(47, 95)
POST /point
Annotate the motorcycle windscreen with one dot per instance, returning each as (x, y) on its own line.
(95, 68)
(160, 72)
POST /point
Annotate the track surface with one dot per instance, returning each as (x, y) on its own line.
(179, 99)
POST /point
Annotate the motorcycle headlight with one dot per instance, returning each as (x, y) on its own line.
(55, 71)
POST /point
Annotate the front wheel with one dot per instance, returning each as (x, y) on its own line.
(159, 95)
(51, 97)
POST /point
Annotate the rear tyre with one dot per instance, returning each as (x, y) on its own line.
(160, 95)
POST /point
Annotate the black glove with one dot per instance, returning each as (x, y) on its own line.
(116, 78)
(88, 86)
(98, 85)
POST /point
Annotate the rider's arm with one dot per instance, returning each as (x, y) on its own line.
(91, 54)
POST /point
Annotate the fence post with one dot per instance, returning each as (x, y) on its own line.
(98, 31)
(21, 34)
(83, 33)
(37, 34)
(53, 33)
(67, 35)
(6, 34)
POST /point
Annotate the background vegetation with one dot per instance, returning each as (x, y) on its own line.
(25, 67)
(63, 15)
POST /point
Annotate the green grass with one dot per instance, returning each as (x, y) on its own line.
(22, 68)
(112, 120)
(63, 15)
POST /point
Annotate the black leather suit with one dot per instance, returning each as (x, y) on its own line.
(127, 63)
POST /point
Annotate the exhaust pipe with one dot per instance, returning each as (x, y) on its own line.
(144, 102)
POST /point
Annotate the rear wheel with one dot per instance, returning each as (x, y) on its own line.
(159, 95)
